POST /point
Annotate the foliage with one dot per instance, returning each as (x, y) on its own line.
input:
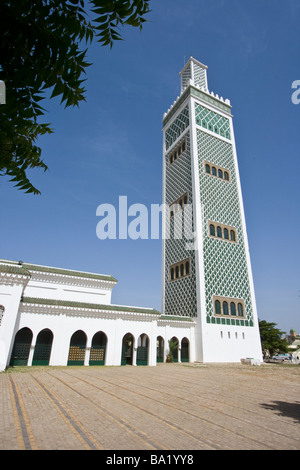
(41, 49)
(173, 345)
(271, 338)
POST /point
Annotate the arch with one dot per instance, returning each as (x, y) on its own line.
(220, 173)
(226, 176)
(98, 349)
(212, 230)
(232, 309)
(187, 268)
(175, 349)
(2, 310)
(226, 234)
(240, 310)
(172, 274)
(225, 308)
(43, 348)
(160, 343)
(219, 231)
(177, 272)
(77, 349)
(181, 270)
(217, 307)
(214, 171)
(185, 353)
(142, 350)
(127, 349)
(207, 168)
(232, 235)
(21, 348)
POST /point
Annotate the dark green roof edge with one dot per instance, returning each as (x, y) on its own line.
(66, 272)
(67, 303)
(10, 269)
(176, 318)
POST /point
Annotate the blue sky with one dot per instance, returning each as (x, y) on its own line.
(112, 146)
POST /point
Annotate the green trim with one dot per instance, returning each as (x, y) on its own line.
(9, 269)
(202, 95)
(176, 318)
(65, 272)
(67, 303)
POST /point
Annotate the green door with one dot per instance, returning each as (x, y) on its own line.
(43, 348)
(21, 348)
(97, 353)
(77, 349)
(142, 356)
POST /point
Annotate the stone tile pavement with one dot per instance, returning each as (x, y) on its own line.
(167, 407)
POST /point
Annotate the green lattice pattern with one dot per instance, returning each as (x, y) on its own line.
(212, 121)
(225, 264)
(177, 128)
(180, 295)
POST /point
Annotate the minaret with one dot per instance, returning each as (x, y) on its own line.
(206, 263)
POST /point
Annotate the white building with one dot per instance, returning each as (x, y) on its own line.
(58, 317)
(207, 278)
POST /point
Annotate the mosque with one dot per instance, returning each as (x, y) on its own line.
(60, 317)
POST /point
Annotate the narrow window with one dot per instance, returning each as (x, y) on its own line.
(220, 173)
(240, 310)
(175, 156)
(219, 232)
(226, 176)
(225, 308)
(181, 270)
(232, 235)
(179, 151)
(214, 171)
(217, 307)
(232, 309)
(212, 230)
(1, 313)
(185, 200)
(172, 274)
(187, 268)
(177, 272)
(226, 235)
(183, 146)
(207, 168)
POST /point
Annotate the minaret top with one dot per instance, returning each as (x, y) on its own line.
(194, 73)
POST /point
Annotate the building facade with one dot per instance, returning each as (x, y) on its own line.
(206, 266)
(60, 317)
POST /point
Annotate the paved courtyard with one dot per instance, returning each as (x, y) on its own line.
(167, 407)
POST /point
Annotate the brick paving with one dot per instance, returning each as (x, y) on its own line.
(167, 407)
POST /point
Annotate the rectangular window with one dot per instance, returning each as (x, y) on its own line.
(180, 269)
(180, 148)
(228, 307)
(179, 204)
(222, 232)
(217, 171)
